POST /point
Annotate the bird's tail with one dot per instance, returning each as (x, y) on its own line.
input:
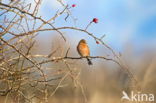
(89, 61)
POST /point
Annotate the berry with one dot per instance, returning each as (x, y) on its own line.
(97, 42)
(95, 20)
(74, 5)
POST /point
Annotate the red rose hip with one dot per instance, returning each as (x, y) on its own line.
(97, 42)
(95, 20)
(74, 5)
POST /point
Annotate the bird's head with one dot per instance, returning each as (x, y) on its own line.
(82, 41)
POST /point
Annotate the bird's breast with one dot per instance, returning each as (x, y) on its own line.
(83, 49)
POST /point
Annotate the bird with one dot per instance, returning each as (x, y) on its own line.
(83, 50)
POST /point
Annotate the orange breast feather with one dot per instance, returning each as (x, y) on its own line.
(83, 49)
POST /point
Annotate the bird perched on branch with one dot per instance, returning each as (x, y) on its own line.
(83, 50)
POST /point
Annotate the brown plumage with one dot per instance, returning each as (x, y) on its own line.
(83, 50)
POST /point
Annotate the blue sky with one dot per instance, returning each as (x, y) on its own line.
(123, 21)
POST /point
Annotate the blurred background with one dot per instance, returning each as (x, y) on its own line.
(130, 29)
